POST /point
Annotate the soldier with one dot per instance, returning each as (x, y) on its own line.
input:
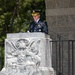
(37, 25)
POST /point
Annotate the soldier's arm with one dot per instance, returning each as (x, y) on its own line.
(45, 27)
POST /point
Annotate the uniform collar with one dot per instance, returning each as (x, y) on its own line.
(37, 21)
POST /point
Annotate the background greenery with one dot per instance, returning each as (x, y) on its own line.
(15, 16)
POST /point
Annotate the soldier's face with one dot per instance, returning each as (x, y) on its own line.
(36, 17)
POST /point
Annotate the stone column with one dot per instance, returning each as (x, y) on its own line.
(28, 54)
(60, 15)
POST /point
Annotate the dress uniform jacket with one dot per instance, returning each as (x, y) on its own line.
(39, 26)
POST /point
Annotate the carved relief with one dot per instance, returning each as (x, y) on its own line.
(23, 56)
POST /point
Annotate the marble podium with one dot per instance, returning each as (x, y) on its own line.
(28, 54)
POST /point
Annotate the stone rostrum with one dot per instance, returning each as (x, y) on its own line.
(27, 56)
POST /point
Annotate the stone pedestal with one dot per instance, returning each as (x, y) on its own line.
(28, 54)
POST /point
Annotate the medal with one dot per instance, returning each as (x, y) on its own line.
(39, 25)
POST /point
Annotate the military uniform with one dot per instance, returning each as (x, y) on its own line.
(39, 26)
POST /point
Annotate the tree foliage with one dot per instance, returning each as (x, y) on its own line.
(15, 15)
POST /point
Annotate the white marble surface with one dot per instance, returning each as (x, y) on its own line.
(28, 54)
